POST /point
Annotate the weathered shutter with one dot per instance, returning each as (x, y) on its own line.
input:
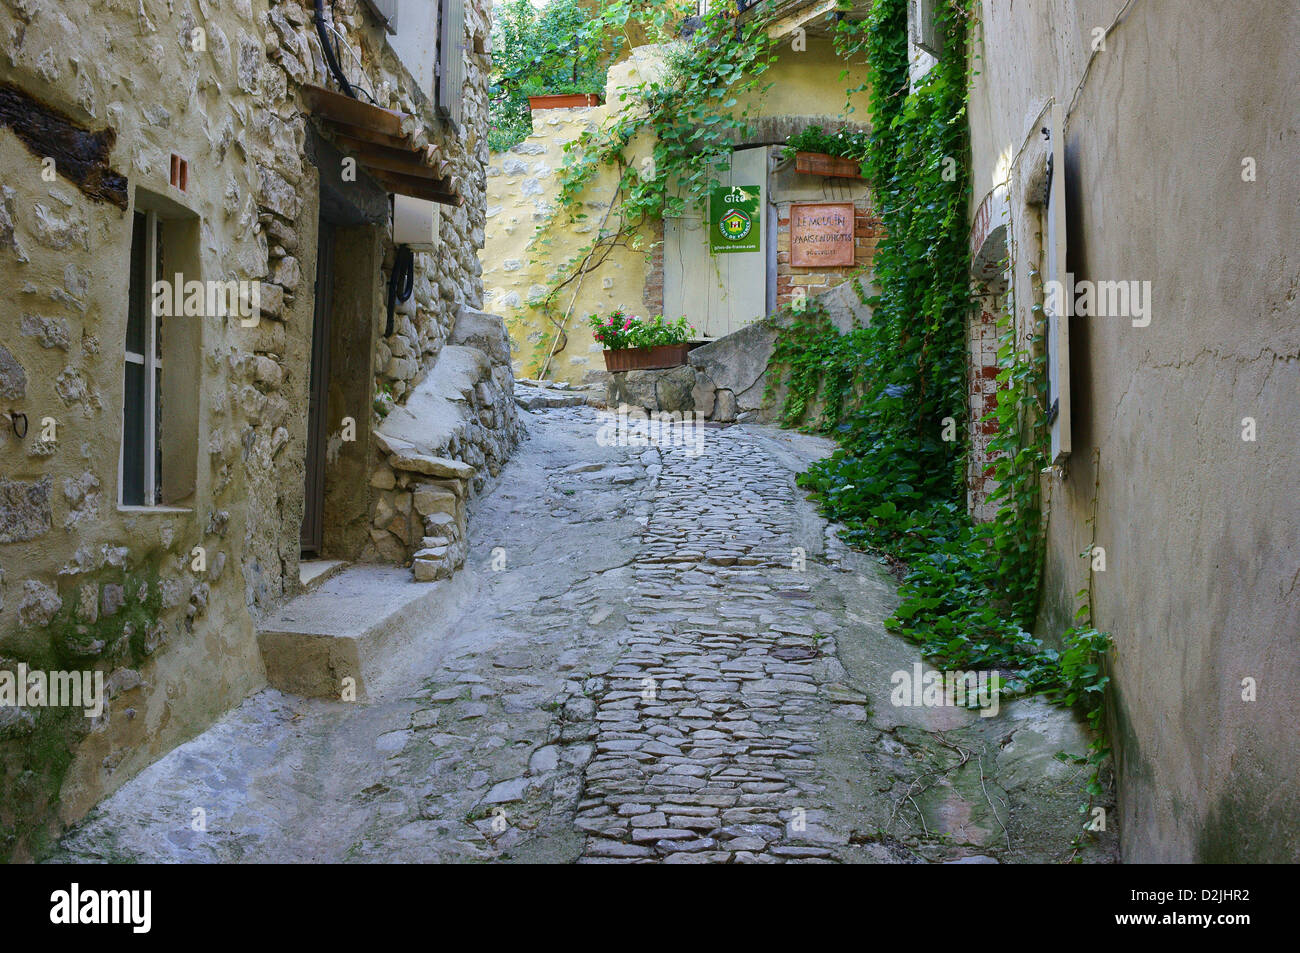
(451, 59)
(1060, 305)
(925, 27)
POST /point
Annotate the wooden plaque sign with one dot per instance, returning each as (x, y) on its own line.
(821, 234)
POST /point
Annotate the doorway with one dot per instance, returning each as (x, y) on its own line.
(723, 292)
(318, 394)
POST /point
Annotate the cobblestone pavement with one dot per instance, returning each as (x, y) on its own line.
(652, 654)
(707, 727)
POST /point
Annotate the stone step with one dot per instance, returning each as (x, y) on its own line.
(313, 572)
(350, 625)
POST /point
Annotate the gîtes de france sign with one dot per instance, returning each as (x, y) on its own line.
(735, 220)
(821, 234)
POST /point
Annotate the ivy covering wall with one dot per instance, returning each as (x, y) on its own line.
(894, 394)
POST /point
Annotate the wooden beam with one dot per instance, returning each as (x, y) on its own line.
(339, 108)
(79, 155)
(364, 134)
(390, 160)
(431, 190)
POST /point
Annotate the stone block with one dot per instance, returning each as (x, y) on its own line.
(25, 511)
(433, 499)
(13, 379)
(431, 466)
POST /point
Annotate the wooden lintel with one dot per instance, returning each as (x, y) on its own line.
(79, 155)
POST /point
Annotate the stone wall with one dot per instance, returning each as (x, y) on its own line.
(164, 600)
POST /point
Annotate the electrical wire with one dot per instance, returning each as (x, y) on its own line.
(401, 283)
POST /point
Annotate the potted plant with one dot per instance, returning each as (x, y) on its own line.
(560, 95)
(635, 345)
(541, 51)
(840, 154)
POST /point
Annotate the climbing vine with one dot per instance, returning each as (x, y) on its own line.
(894, 395)
(687, 114)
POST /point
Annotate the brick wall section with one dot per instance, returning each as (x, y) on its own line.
(982, 372)
(867, 230)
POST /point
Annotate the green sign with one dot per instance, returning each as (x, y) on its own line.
(735, 219)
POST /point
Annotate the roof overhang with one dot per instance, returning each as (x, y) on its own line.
(380, 140)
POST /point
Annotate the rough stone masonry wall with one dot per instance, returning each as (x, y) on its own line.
(84, 584)
(446, 281)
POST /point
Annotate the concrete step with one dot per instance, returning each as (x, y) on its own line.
(347, 626)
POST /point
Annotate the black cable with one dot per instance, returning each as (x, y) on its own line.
(330, 59)
(400, 283)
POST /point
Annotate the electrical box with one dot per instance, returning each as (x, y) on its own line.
(415, 223)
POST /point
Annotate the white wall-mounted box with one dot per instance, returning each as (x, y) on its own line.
(415, 222)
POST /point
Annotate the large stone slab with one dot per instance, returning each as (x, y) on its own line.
(345, 628)
(736, 363)
(487, 332)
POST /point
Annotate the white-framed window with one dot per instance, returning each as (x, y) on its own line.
(161, 366)
(140, 461)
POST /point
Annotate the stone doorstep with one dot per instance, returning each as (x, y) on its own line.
(345, 627)
(313, 572)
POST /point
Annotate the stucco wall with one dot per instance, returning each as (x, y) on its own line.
(519, 264)
(1200, 527)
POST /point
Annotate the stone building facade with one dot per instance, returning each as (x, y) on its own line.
(148, 521)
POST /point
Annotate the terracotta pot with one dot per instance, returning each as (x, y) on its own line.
(819, 163)
(563, 101)
(646, 358)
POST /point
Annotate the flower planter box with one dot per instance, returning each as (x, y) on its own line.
(646, 358)
(819, 163)
(563, 101)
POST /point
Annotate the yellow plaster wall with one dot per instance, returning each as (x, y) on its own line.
(519, 265)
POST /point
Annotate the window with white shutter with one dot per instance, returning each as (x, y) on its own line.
(1058, 306)
(451, 60)
(925, 27)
